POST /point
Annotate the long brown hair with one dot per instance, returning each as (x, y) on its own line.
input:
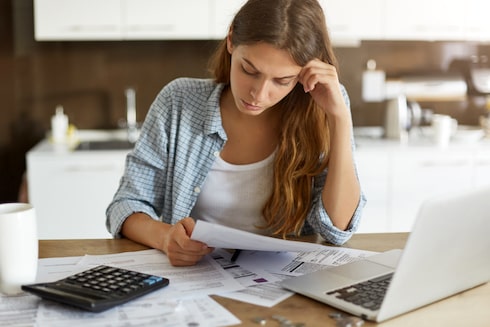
(297, 26)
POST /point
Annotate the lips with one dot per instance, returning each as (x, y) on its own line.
(250, 106)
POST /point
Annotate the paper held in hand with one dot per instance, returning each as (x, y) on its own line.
(219, 236)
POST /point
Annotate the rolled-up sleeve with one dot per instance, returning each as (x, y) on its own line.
(318, 220)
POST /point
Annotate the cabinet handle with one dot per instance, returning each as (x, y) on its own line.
(483, 163)
(98, 168)
(167, 28)
(457, 163)
(90, 29)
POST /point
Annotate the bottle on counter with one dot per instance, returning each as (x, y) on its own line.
(59, 125)
(373, 83)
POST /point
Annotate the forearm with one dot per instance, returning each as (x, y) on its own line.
(341, 191)
(173, 240)
(141, 228)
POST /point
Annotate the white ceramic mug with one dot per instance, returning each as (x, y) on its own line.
(18, 246)
(442, 126)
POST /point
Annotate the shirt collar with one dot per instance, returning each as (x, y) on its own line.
(213, 123)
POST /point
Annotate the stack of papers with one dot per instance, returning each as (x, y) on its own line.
(253, 278)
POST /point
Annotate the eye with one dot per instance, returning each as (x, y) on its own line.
(248, 71)
(284, 82)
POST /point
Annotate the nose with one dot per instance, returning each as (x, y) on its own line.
(259, 90)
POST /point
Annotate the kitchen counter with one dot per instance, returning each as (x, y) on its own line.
(70, 188)
(465, 137)
(397, 177)
(80, 136)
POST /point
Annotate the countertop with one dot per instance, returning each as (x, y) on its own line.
(420, 139)
(48, 147)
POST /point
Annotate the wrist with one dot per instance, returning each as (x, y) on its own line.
(143, 229)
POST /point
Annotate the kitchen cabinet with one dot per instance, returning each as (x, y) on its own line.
(353, 20)
(121, 19)
(419, 174)
(397, 178)
(165, 19)
(72, 189)
(373, 169)
(481, 171)
(77, 20)
(477, 26)
(424, 20)
(349, 21)
(222, 13)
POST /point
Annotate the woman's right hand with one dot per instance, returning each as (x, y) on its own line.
(180, 249)
(173, 240)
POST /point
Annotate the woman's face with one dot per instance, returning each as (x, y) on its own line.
(260, 76)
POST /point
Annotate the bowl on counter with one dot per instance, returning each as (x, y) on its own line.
(468, 134)
(369, 132)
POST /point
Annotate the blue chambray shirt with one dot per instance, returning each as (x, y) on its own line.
(179, 141)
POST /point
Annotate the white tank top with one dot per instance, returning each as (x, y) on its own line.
(234, 195)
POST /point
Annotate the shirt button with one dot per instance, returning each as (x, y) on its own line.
(197, 189)
(216, 153)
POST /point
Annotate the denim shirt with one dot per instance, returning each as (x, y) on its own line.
(180, 139)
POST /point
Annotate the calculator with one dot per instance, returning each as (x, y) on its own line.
(99, 288)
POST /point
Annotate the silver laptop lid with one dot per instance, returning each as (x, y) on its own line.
(447, 252)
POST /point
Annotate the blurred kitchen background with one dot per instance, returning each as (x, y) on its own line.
(88, 75)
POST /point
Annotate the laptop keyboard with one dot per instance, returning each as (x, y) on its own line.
(368, 294)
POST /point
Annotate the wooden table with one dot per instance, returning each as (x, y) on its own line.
(470, 308)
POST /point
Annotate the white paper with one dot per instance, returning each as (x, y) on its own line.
(242, 275)
(156, 308)
(219, 236)
(299, 263)
(282, 265)
(204, 278)
(21, 310)
(266, 295)
(150, 310)
(18, 310)
(50, 270)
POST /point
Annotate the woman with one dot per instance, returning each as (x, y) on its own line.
(266, 146)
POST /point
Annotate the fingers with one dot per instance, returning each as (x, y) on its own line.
(180, 249)
(188, 223)
(315, 72)
(178, 257)
(321, 81)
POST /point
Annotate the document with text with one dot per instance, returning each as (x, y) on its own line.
(268, 268)
(224, 237)
(184, 305)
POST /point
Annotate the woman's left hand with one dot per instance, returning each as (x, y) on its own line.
(320, 79)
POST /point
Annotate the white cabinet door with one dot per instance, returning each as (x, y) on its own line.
(354, 20)
(71, 193)
(481, 169)
(424, 20)
(374, 175)
(421, 174)
(222, 13)
(166, 19)
(77, 20)
(477, 25)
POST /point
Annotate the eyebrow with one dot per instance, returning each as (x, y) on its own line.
(255, 68)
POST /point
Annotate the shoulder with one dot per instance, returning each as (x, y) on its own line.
(193, 87)
(189, 94)
(191, 99)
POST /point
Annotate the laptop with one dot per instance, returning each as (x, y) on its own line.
(446, 253)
